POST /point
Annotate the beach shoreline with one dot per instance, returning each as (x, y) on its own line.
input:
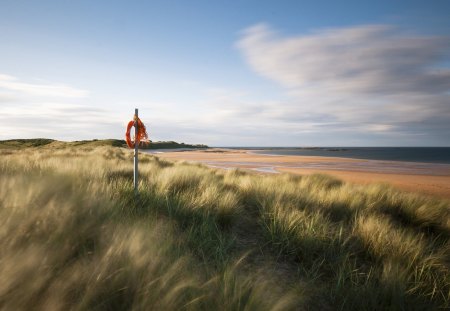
(424, 178)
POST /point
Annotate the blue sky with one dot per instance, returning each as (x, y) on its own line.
(229, 73)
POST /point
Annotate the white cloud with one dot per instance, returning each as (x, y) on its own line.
(373, 79)
(53, 111)
(10, 83)
(364, 59)
(58, 120)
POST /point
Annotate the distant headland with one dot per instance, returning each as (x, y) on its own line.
(41, 142)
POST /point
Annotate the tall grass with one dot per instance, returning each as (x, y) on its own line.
(73, 236)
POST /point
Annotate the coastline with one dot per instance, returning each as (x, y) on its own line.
(406, 154)
(425, 178)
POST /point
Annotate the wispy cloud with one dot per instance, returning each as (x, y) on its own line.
(11, 83)
(52, 110)
(58, 120)
(372, 78)
(374, 59)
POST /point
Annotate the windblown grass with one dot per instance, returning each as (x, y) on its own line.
(73, 236)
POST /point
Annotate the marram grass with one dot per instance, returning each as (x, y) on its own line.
(73, 237)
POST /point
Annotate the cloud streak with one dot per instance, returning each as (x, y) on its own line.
(374, 79)
(365, 59)
(57, 120)
(52, 110)
(10, 83)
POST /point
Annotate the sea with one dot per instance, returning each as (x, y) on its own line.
(405, 154)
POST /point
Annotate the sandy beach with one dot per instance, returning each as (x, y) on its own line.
(425, 178)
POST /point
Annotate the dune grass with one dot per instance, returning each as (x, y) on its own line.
(73, 236)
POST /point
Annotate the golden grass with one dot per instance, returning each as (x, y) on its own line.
(73, 236)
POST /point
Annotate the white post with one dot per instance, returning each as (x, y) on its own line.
(136, 147)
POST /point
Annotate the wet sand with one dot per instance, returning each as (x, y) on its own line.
(425, 178)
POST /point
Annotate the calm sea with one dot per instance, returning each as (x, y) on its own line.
(410, 154)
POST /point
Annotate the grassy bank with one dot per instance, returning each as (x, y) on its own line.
(14, 144)
(73, 236)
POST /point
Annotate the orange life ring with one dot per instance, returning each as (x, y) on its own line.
(141, 135)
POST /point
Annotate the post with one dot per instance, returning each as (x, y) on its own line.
(136, 147)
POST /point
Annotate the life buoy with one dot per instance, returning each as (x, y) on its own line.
(141, 135)
(130, 143)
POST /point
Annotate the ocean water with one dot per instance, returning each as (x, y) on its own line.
(407, 154)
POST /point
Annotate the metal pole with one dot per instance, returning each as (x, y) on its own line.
(136, 146)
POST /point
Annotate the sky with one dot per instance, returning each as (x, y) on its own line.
(228, 73)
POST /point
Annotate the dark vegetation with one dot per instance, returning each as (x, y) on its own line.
(40, 142)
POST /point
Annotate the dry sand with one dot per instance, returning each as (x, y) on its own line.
(426, 178)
